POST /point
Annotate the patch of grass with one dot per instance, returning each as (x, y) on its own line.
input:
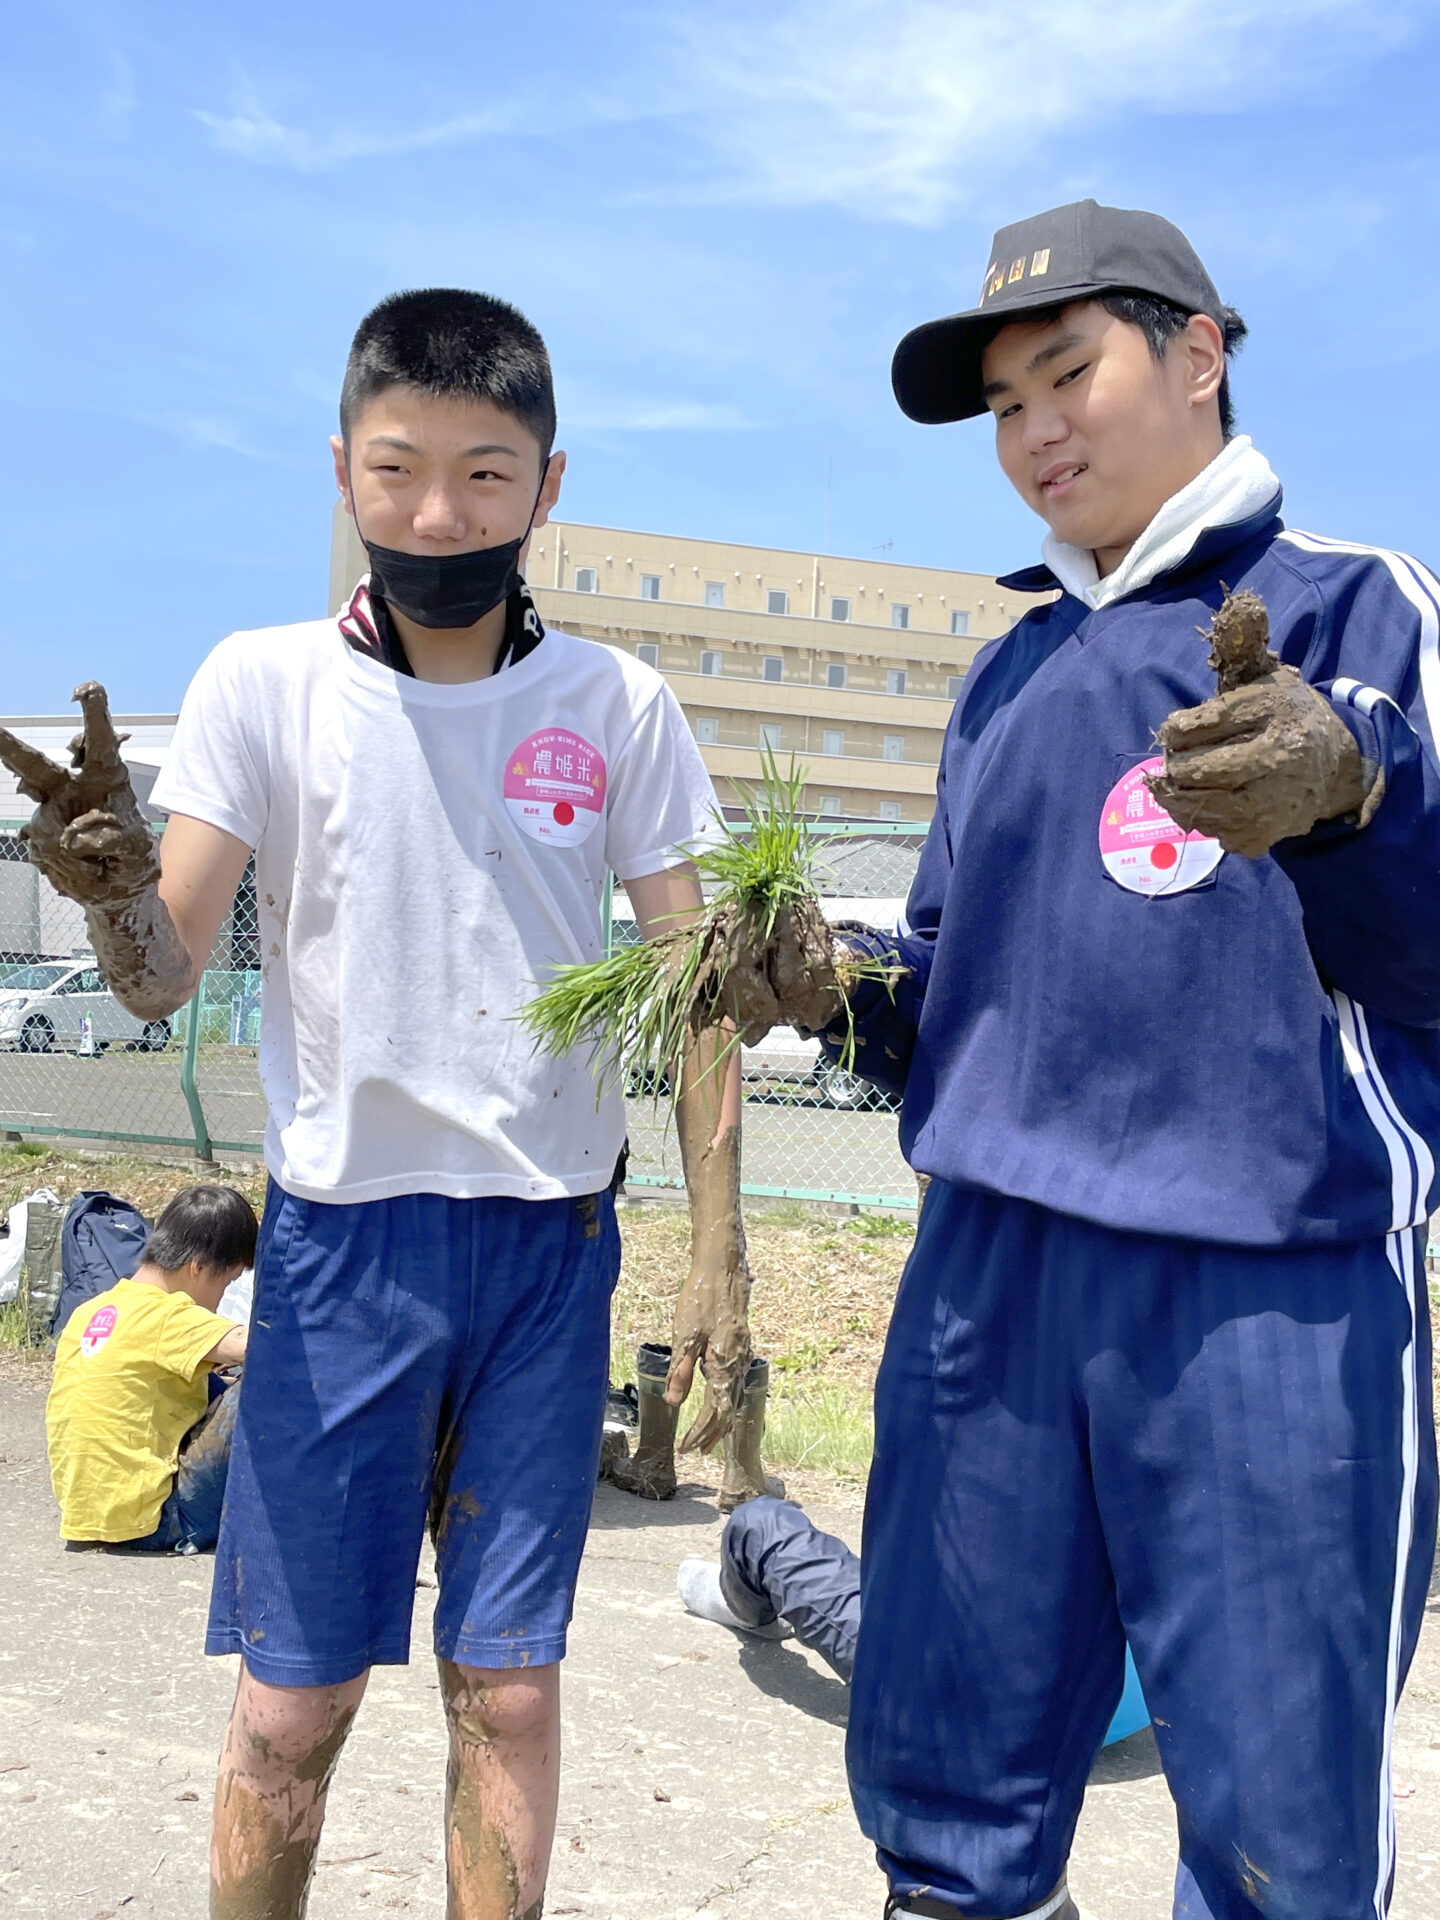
(826, 1427)
(14, 1337)
(881, 1226)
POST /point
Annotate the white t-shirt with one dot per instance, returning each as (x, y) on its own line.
(424, 855)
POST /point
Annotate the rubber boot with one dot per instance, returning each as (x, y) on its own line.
(650, 1472)
(745, 1474)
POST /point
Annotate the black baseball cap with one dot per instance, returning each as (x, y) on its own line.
(1070, 253)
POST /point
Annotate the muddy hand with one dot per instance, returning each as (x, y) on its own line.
(1260, 763)
(711, 1327)
(88, 836)
(784, 979)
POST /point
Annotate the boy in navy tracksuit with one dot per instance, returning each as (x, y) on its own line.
(1159, 1367)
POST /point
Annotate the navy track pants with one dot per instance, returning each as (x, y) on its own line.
(1225, 1454)
(775, 1562)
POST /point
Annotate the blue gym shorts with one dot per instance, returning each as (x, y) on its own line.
(411, 1358)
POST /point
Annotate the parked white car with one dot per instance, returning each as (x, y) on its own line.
(43, 1005)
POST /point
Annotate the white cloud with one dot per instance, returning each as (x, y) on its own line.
(254, 134)
(663, 416)
(203, 433)
(898, 109)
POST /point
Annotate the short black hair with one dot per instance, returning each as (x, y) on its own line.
(453, 344)
(1161, 321)
(212, 1224)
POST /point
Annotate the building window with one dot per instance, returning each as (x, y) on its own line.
(777, 600)
(894, 746)
(649, 586)
(714, 593)
(832, 740)
(953, 686)
(959, 621)
(889, 809)
(770, 735)
(839, 609)
(587, 580)
(829, 804)
(899, 616)
(895, 679)
(710, 663)
(707, 732)
(835, 674)
(773, 667)
(648, 654)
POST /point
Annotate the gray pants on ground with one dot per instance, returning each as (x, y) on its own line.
(775, 1565)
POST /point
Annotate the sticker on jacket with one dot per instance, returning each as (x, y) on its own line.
(1142, 847)
(555, 786)
(98, 1329)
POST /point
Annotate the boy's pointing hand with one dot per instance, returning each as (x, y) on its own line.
(88, 835)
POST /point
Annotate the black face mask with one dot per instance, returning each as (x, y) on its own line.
(447, 590)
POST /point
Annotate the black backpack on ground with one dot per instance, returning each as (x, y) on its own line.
(102, 1241)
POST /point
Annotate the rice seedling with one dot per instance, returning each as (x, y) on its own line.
(759, 954)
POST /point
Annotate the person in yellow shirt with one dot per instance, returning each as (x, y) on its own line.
(139, 1449)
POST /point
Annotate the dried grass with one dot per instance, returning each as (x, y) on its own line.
(824, 1288)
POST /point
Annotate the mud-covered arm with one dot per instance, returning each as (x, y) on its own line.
(711, 1314)
(152, 917)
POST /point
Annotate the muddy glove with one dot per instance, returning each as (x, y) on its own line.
(88, 835)
(1265, 759)
(787, 979)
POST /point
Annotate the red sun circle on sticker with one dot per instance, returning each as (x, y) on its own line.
(1163, 854)
(562, 813)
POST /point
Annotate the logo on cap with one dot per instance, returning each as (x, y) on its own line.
(997, 278)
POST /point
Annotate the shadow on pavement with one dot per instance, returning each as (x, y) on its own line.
(1134, 1758)
(785, 1675)
(693, 1505)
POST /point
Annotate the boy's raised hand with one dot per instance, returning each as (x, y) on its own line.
(88, 835)
(1266, 758)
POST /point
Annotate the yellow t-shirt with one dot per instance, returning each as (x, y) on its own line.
(128, 1386)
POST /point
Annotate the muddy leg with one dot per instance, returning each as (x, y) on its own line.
(501, 1788)
(280, 1751)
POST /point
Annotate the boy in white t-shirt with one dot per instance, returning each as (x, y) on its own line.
(433, 788)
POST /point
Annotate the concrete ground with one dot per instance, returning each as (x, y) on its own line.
(703, 1776)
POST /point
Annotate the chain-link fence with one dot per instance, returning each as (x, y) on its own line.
(74, 1063)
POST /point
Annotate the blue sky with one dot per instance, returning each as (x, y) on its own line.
(721, 213)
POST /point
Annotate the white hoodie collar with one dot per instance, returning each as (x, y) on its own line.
(1237, 483)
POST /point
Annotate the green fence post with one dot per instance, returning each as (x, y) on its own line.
(203, 1148)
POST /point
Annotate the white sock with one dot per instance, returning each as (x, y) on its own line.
(699, 1584)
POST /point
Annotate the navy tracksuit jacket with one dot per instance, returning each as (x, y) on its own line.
(1159, 1364)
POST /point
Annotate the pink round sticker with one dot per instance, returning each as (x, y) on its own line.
(555, 786)
(1141, 845)
(98, 1329)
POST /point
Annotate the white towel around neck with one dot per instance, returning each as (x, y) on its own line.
(1237, 483)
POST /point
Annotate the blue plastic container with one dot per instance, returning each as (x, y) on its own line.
(1132, 1713)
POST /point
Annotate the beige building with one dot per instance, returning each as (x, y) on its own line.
(852, 666)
